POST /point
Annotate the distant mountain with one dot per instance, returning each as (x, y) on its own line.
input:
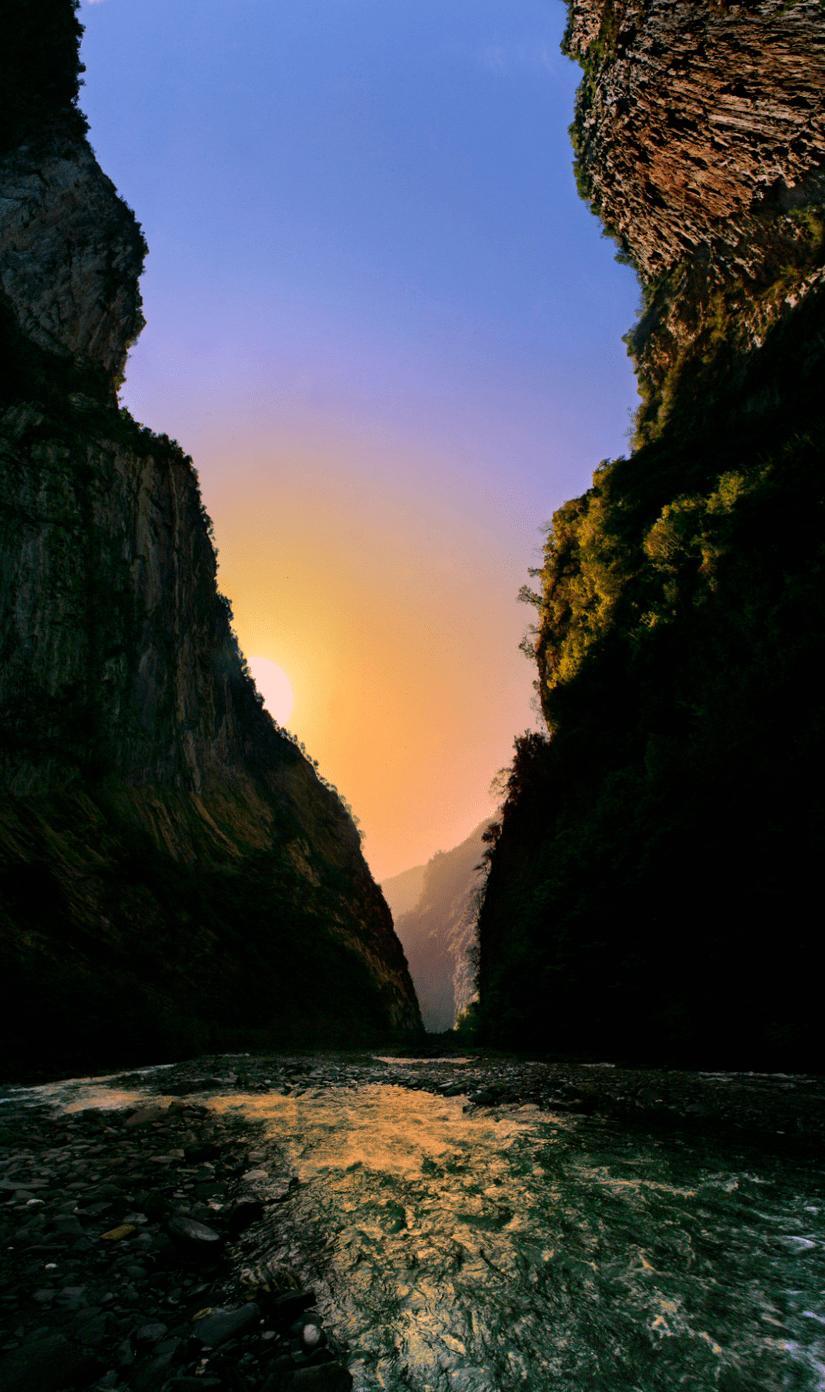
(402, 892)
(438, 932)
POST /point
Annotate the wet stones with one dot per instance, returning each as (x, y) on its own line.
(286, 1308)
(115, 1282)
(196, 1242)
(50, 1365)
(284, 1376)
(217, 1326)
(199, 1151)
(311, 1336)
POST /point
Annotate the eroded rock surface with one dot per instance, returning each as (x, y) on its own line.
(70, 252)
(700, 139)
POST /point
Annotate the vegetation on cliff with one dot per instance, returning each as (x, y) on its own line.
(652, 885)
(174, 873)
(41, 71)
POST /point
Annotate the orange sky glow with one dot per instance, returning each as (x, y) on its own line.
(389, 332)
(391, 608)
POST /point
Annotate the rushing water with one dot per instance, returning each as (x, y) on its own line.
(490, 1249)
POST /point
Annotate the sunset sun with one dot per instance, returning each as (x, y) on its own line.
(274, 685)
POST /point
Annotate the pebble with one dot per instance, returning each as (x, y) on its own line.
(196, 1240)
(132, 1235)
(119, 1227)
(219, 1325)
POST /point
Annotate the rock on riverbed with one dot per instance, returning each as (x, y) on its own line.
(118, 1232)
(136, 1234)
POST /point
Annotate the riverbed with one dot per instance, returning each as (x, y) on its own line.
(465, 1224)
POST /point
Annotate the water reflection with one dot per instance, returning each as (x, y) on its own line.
(507, 1250)
(503, 1249)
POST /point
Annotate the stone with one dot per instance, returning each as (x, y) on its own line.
(93, 1331)
(102, 1193)
(219, 1325)
(243, 1214)
(151, 1333)
(153, 1374)
(147, 1116)
(185, 1383)
(156, 1205)
(194, 1240)
(118, 1234)
(280, 1371)
(72, 1297)
(325, 1377)
(285, 1308)
(200, 1151)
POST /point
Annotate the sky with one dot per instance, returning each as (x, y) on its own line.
(388, 331)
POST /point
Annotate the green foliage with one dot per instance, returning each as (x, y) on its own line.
(670, 826)
(39, 69)
(468, 1024)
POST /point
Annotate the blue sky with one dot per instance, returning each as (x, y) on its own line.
(389, 332)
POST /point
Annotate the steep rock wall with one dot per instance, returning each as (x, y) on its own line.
(71, 253)
(172, 871)
(649, 892)
(700, 140)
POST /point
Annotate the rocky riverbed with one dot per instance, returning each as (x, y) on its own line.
(160, 1233)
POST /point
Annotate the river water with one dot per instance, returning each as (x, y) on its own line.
(459, 1248)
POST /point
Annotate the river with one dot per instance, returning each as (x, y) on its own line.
(501, 1247)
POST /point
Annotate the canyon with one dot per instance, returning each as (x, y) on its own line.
(435, 907)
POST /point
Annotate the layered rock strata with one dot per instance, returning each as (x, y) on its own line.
(700, 140)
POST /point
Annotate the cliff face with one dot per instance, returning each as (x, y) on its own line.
(71, 253)
(650, 888)
(438, 932)
(172, 872)
(700, 139)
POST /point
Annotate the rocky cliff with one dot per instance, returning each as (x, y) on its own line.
(650, 890)
(172, 871)
(438, 932)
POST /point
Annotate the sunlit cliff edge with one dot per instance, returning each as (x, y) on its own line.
(651, 892)
(173, 874)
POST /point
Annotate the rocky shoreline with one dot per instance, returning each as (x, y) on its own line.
(134, 1229)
